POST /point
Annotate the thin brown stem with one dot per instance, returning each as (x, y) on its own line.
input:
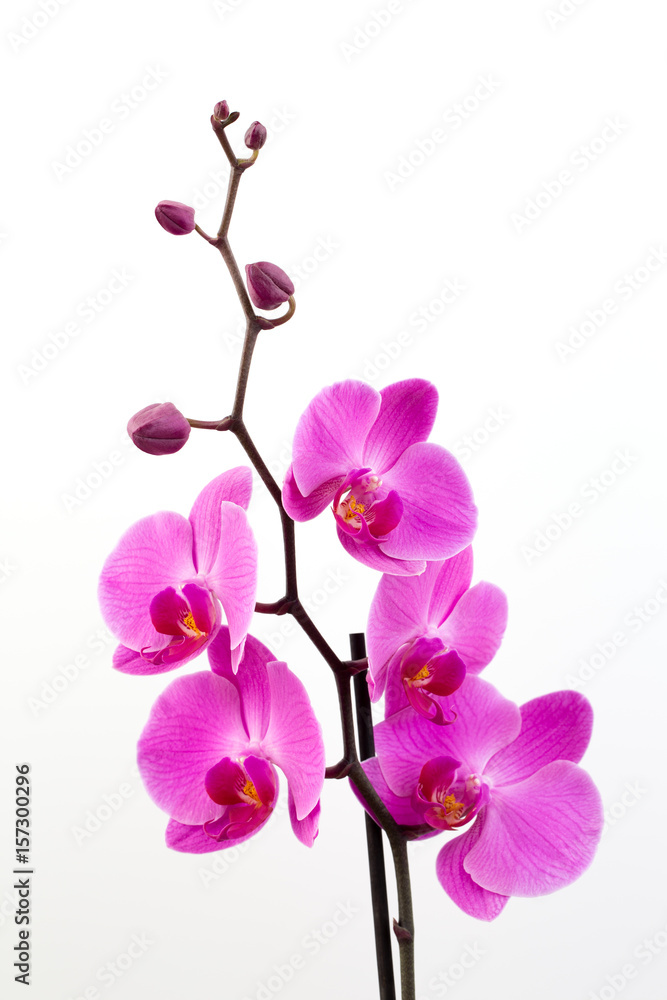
(349, 765)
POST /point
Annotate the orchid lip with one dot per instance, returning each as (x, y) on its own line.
(189, 616)
(447, 798)
(429, 668)
(247, 789)
(360, 512)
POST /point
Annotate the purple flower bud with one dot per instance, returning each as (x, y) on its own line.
(159, 429)
(268, 285)
(221, 111)
(177, 219)
(255, 137)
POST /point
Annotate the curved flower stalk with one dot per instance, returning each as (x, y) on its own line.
(397, 499)
(161, 588)
(209, 752)
(425, 632)
(510, 772)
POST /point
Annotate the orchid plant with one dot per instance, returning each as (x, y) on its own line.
(452, 756)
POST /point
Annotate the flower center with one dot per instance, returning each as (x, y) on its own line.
(431, 670)
(363, 509)
(190, 625)
(446, 798)
(421, 675)
(250, 790)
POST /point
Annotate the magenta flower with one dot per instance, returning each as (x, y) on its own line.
(537, 815)
(425, 632)
(209, 752)
(161, 588)
(398, 500)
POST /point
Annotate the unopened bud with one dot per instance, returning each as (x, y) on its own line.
(177, 219)
(221, 111)
(268, 285)
(159, 429)
(255, 137)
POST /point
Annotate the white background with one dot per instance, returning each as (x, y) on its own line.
(350, 92)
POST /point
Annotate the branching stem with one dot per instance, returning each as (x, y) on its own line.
(343, 670)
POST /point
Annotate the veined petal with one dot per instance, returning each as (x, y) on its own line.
(194, 839)
(457, 883)
(155, 553)
(307, 829)
(293, 740)
(407, 413)
(233, 486)
(130, 661)
(451, 578)
(302, 508)
(476, 626)
(330, 435)
(399, 613)
(439, 515)
(194, 723)
(251, 680)
(233, 575)
(540, 834)
(485, 722)
(556, 726)
(370, 554)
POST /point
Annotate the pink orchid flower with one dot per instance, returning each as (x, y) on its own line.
(161, 588)
(510, 772)
(397, 499)
(209, 752)
(425, 632)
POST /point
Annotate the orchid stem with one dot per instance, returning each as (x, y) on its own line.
(291, 604)
(375, 847)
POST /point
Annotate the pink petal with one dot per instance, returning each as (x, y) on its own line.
(233, 575)
(233, 486)
(539, 835)
(556, 726)
(129, 661)
(293, 740)
(398, 614)
(476, 626)
(153, 554)
(370, 554)
(307, 829)
(457, 883)
(251, 680)
(485, 722)
(450, 583)
(439, 515)
(194, 723)
(407, 413)
(194, 840)
(330, 435)
(395, 697)
(302, 508)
